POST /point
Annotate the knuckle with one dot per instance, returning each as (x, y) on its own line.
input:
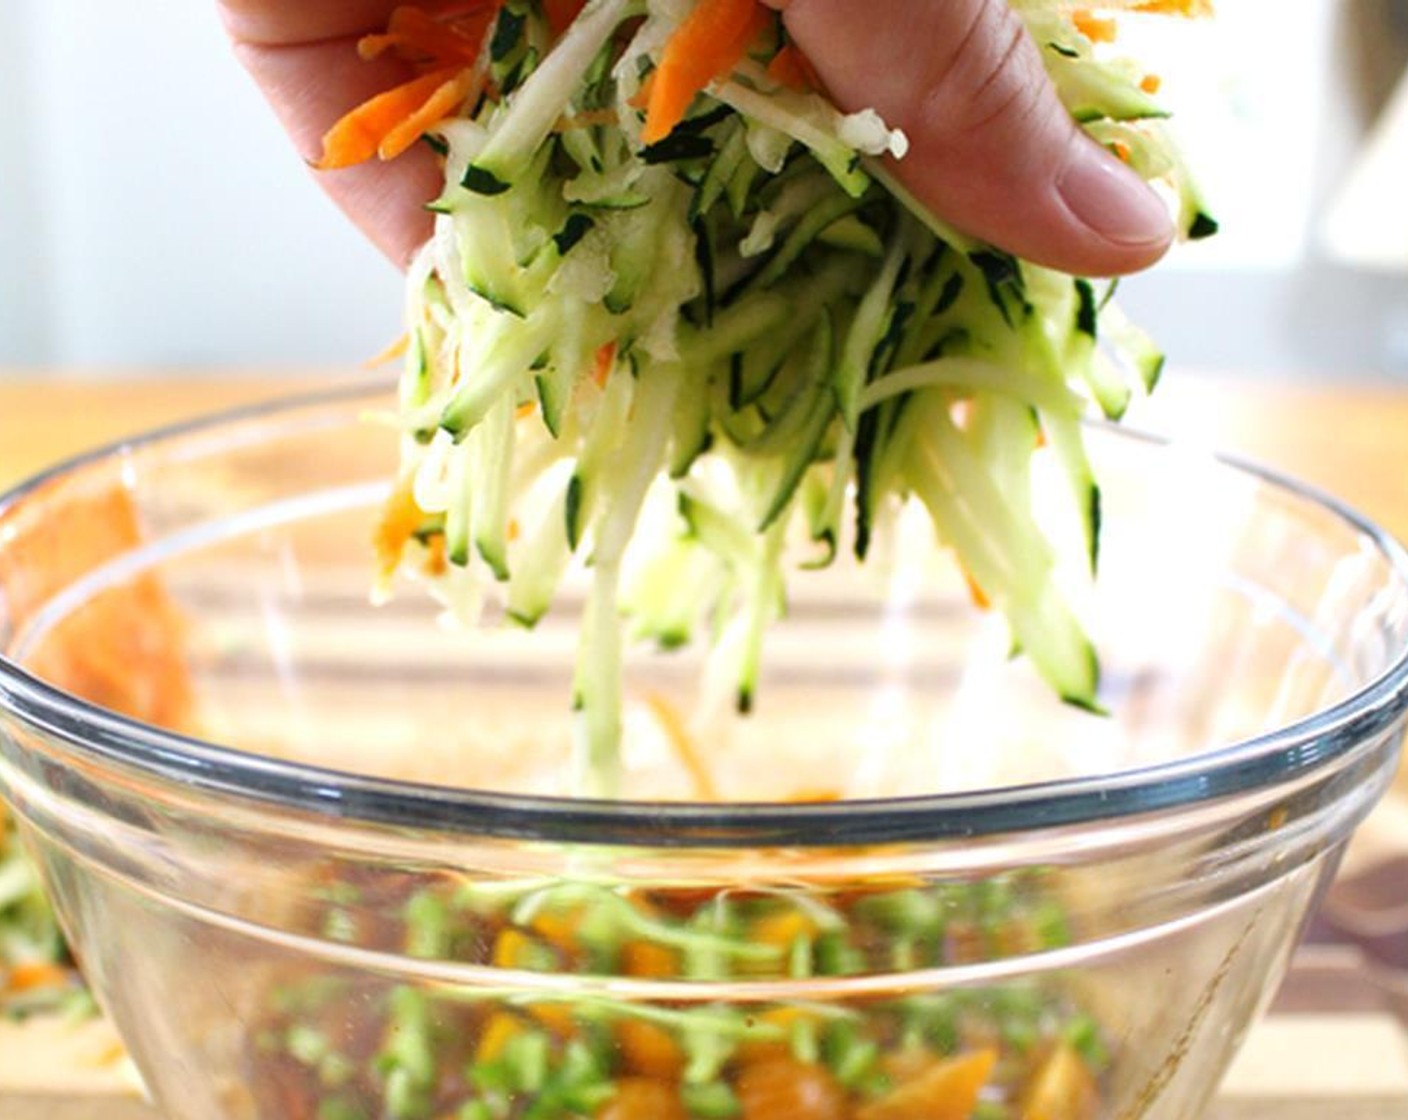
(995, 79)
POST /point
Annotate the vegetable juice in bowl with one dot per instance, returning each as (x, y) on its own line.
(277, 935)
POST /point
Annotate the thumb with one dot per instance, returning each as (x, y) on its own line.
(992, 150)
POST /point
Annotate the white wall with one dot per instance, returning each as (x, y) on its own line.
(152, 214)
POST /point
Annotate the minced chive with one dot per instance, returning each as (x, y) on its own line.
(526, 1057)
(911, 911)
(712, 1101)
(1083, 1033)
(308, 1044)
(427, 927)
(404, 1099)
(341, 1108)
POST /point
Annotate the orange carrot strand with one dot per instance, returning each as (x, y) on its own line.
(707, 45)
(443, 102)
(357, 136)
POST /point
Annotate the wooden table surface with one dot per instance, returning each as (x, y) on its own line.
(1349, 1062)
(1351, 439)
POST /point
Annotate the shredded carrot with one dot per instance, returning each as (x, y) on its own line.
(561, 13)
(683, 745)
(791, 68)
(641, 98)
(417, 36)
(437, 561)
(1191, 8)
(1123, 154)
(125, 648)
(396, 350)
(1093, 27)
(1151, 84)
(707, 45)
(947, 1090)
(602, 363)
(813, 795)
(444, 101)
(358, 135)
(400, 518)
(978, 595)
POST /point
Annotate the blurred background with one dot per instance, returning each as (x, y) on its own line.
(152, 217)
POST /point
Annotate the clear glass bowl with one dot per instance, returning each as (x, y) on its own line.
(314, 857)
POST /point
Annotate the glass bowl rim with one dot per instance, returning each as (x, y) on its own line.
(1264, 761)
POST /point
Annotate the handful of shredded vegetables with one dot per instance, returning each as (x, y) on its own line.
(677, 323)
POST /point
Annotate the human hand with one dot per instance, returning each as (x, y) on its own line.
(992, 150)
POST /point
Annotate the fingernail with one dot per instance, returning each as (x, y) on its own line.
(1112, 200)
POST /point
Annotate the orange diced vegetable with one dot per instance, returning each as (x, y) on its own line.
(782, 928)
(947, 1090)
(649, 961)
(1062, 1088)
(649, 1050)
(786, 1089)
(639, 1098)
(558, 927)
(557, 1017)
(1151, 84)
(766, 1052)
(510, 948)
(707, 45)
(498, 1032)
(30, 975)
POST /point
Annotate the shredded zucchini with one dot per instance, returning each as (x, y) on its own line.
(748, 313)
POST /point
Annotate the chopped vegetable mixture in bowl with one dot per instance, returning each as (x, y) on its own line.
(819, 709)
